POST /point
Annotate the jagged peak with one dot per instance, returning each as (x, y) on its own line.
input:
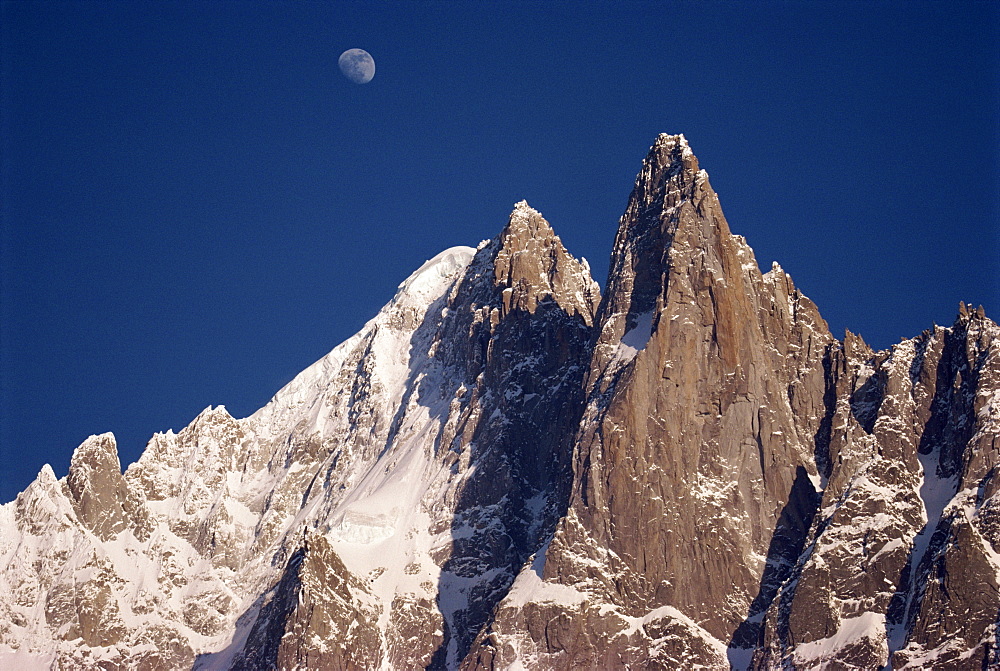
(216, 412)
(668, 142)
(212, 418)
(46, 475)
(966, 311)
(522, 206)
(45, 480)
(96, 485)
(856, 348)
(95, 458)
(672, 212)
(976, 327)
(46, 499)
(525, 219)
(673, 153)
(103, 444)
(669, 178)
(531, 262)
(779, 277)
(775, 274)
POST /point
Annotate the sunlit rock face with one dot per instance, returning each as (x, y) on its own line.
(504, 469)
(695, 462)
(750, 492)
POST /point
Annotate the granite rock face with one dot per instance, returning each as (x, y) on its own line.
(504, 469)
(748, 491)
(695, 460)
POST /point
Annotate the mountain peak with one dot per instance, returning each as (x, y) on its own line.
(532, 263)
(672, 212)
(667, 138)
(966, 311)
(672, 151)
(46, 476)
(97, 486)
(525, 219)
(428, 281)
(668, 142)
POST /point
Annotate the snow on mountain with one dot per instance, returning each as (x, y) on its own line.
(504, 469)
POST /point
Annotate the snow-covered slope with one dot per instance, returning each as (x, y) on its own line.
(370, 456)
(173, 552)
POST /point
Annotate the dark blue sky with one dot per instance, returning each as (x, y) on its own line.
(197, 204)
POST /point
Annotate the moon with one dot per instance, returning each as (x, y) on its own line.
(357, 65)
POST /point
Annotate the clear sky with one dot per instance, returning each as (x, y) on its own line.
(197, 204)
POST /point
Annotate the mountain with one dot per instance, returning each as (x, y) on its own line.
(505, 469)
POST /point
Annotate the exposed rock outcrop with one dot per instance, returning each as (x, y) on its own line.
(740, 471)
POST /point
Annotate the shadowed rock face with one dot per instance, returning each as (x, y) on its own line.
(504, 469)
(516, 335)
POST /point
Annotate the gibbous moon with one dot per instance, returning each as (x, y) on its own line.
(357, 65)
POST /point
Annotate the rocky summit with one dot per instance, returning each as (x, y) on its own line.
(505, 469)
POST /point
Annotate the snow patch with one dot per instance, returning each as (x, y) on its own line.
(935, 493)
(24, 660)
(851, 631)
(530, 588)
(360, 528)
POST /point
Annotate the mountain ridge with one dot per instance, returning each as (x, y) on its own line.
(506, 468)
